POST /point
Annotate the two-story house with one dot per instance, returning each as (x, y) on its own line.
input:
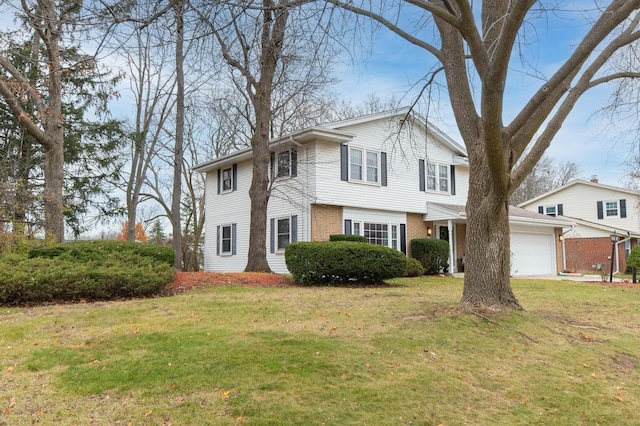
(389, 176)
(598, 211)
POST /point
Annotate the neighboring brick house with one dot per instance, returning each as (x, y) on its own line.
(390, 177)
(598, 212)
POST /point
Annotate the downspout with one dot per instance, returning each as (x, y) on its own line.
(452, 265)
(564, 250)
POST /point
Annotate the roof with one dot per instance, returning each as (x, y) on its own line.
(607, 229)
(291, 138)
(338, 132)
(436, 211)
(578, 182)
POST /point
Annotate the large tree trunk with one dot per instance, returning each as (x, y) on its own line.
(488, 256)
(259, 194)
(178, 147)
(53, 175)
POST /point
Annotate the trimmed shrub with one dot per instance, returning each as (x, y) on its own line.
(634, 259)
(414, 268)
(343, 262)
(431, 253)
(84, 251)
(81, 271)
(348, 237)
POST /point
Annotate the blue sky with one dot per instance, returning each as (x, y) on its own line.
(394, 65)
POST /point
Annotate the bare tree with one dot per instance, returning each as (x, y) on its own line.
(474, 43)
(262, 42)
(545, 176)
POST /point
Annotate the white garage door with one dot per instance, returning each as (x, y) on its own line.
(533, 254)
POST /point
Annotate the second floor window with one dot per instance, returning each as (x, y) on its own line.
(227, 179)
(364, 165)
(611, 208)
(436, 177)
(284, 163)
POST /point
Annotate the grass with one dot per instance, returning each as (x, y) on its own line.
(403, 354)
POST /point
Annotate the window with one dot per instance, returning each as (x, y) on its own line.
(363, 165)
(394, 237)
(356, 228)
(550, 211)
(226, 239)
(377, 233)
(611, 208)
(443, 178)
(284, 163)
(283, 233)
(431, 176)
(227, 179)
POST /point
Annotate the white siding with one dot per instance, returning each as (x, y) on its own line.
(580, 201)
(402, 192)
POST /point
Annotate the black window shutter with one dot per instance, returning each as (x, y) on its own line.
(383, 168)
(421, 175)
(347, 226)
(540, 209)
(294, 228)
(559, 211)
(234, 176)
(273, 236)
(344, 162)
(219, 182)
(218, 240)
(274, 167)
(233, 238)
(403, 238)
(453, 180)
(623, 208)
(294, 161)
(600, 210)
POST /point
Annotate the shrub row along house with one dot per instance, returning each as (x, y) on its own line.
(597, 211)
(390, 177)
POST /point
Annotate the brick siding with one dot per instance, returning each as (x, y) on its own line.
(583, 253)
(325, 221)
(416, 228)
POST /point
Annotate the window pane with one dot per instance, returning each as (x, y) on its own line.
(612, 208)
(443, 175)
(550, 211)
(284, 161)
(431, 176)
(226, 232)
(356, 228)
(226, 179)
(283, 233)
(226, 239)
(356, 164)
(377, 233)
(372, 166)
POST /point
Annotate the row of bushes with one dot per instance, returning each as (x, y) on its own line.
(349, 258)
(96, 270)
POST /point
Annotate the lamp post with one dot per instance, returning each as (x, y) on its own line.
(614, 239)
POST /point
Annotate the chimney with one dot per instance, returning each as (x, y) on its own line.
(594, 178)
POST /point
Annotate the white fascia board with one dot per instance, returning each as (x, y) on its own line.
(299, 137)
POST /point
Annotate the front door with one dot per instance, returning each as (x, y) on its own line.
(443, 233)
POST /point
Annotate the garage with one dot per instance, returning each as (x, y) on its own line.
(533, 253)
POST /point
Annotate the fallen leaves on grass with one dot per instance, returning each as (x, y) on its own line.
(187, 280)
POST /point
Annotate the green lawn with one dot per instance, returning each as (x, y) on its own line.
(403, 354)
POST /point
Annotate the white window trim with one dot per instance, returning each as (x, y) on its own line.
(277, 165)
(437, 177)
(222, 190)
(277, 239)
(390, 225)
(604, 209)
(364, 166)
(230, 252)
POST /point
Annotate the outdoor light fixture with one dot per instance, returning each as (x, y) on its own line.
(614, 239)
(429, 231)
(560, 237)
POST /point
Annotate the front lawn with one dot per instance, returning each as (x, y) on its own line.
(401, 354)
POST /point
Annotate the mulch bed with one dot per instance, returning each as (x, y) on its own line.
(188, 280)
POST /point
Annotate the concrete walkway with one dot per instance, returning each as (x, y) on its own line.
(585, 278)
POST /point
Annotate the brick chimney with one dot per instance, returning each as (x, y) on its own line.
(594, 178)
